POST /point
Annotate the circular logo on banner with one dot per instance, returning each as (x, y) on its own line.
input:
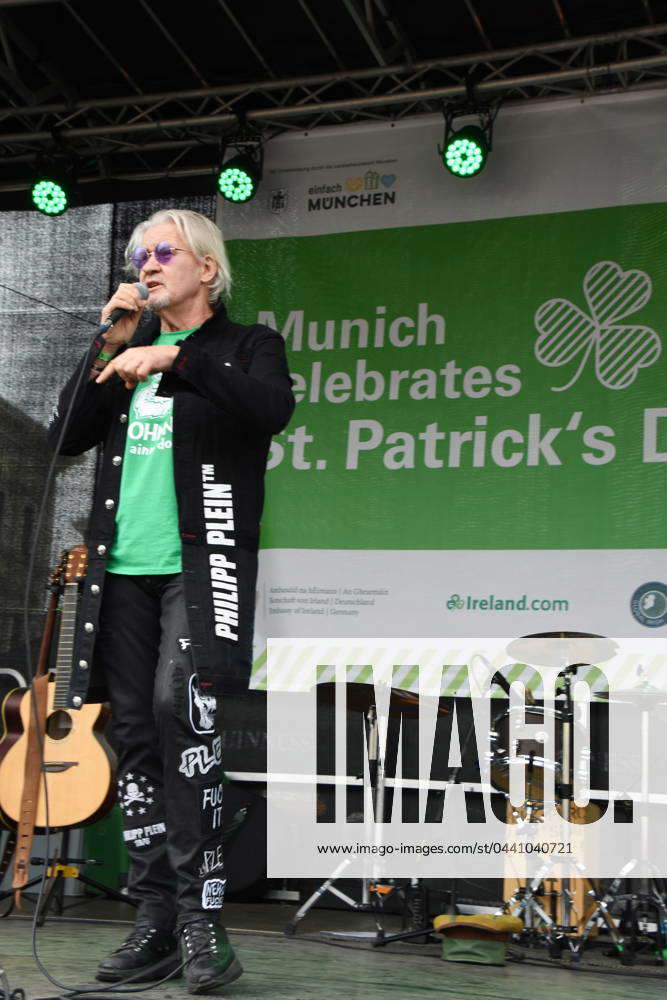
(649, 604)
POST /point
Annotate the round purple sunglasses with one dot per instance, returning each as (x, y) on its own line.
(162, 253)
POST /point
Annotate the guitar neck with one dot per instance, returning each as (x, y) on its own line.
(65, 651)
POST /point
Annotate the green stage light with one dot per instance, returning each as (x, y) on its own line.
(238, 179)
(465, 151)
(49, 196)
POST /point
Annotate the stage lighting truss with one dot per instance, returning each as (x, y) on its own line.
(240, 174)
(464, 150)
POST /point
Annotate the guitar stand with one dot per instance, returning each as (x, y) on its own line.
(7, 855)
(60, 868)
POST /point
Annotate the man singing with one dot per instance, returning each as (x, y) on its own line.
(184, 408)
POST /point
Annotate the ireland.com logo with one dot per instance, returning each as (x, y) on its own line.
(466, 602)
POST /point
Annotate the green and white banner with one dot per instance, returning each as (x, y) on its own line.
(480, 440)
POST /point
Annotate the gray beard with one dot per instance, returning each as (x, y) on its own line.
(162, 302)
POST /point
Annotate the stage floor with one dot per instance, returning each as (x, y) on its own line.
(305, 966)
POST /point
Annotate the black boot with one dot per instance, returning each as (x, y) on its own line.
(210, 959)
(146, 953)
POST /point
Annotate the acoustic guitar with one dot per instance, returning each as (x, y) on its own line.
(79, 766)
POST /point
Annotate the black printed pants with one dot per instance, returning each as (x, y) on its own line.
(169, 765)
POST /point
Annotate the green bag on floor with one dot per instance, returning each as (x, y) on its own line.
(481, 939)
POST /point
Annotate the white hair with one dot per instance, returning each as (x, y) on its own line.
(201, 235)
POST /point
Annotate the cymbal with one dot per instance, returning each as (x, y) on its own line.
(361, 696)
(551, 649)
(635, 696)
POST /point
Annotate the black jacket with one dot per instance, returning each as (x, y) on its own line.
(231, 391)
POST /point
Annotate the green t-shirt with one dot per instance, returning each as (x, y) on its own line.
(147, 539)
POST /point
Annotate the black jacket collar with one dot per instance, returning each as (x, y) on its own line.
(150, 331)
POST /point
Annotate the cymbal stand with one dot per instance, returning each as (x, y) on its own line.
(415, 896)
(528, 906)
(605, 903)
(565, 790)
(377, 785)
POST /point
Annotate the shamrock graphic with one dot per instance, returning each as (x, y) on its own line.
(621, 349)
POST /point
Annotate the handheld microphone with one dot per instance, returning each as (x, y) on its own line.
(120, 313)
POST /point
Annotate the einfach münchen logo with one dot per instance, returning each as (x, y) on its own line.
(366, 190)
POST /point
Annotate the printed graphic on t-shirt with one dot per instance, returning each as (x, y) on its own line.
(152, 421)
(146, 403)
(147, 537)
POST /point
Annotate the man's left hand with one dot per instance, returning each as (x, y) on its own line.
(136, 363)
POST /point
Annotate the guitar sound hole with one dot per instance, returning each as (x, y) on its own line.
(58, 725)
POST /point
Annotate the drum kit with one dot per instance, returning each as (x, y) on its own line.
(560, 908)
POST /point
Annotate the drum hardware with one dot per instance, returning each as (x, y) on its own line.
(650, 900)
(559, 934)
(416, 897)
(373, 891)
(415, 919)
(356, 699)
(647, 904)
(546, 649)
(530, 753)
(626, 934)
(416, 910)
(537, 914)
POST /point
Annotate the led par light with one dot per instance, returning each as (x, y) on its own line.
(466, 151)
(240, 173)
(238, 178)
(49, 195)
(53, 184)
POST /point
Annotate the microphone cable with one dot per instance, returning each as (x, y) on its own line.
(50, 305)
(69, 992)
